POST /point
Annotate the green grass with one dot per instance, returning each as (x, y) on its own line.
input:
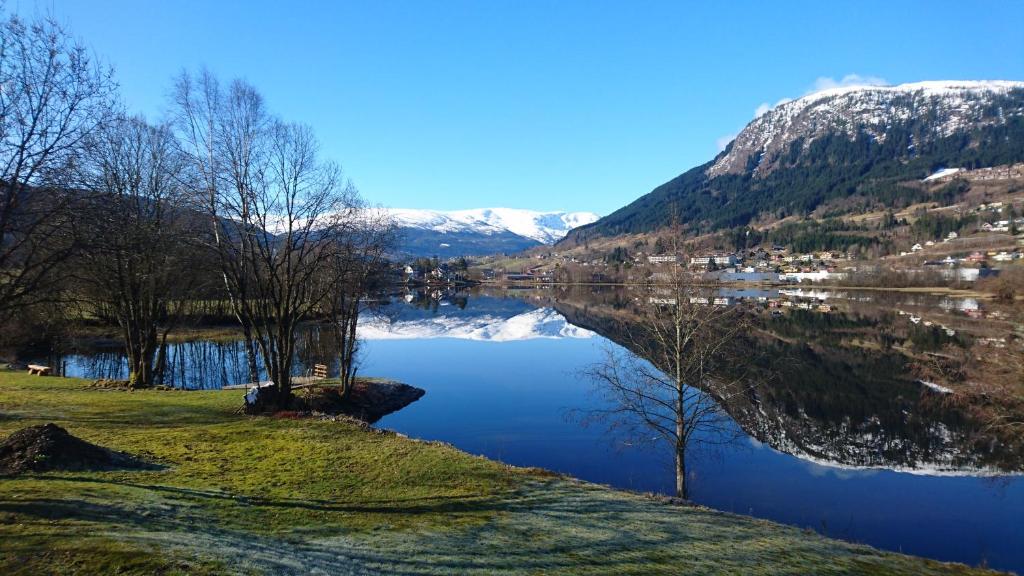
(252, 495)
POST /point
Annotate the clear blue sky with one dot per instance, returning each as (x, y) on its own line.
(576, 105)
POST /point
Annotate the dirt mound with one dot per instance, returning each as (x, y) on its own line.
(50, 447)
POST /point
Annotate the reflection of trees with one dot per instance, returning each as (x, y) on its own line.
(202, 364)
(841, 389)
(682, 364)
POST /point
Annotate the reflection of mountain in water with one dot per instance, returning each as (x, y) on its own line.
(842, 405)
(483, 319)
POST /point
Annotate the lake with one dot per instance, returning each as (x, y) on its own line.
(846, 442)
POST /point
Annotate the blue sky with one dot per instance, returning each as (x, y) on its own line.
(575, 105)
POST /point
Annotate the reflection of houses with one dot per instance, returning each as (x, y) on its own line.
(813, 276)
(520, 277)
(662, 301)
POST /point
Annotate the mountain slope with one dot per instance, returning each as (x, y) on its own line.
(482, 231)
(831, 146)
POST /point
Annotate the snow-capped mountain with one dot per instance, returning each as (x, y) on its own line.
(544, 227)
(845, 150)
(483, 230)
(950, 105)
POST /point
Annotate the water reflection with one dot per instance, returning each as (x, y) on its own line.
(840, 383)
(823, 439)
(196, 364)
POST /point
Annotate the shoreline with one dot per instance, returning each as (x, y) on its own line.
(772, 285)
(233, 486)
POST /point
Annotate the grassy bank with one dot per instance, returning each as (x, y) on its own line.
(257, 495)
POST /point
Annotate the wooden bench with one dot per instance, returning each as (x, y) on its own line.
(320, 371)
(39, 370)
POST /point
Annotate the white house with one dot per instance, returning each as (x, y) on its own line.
(661, 259)
(725, 260)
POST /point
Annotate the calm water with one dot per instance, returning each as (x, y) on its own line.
(502, 379)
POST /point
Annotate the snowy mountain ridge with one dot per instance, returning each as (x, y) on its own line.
(543, 227)
(952, 106)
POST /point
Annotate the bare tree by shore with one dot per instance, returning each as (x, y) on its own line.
(274, 208)
(52, 96)
(357, 268)
(682, 359)
(138, 262)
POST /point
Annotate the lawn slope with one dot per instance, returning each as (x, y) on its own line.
(259, 495)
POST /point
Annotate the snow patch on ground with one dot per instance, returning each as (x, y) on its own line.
(942, 173)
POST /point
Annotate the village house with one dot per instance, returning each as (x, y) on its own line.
(725, 260)
(666, 259)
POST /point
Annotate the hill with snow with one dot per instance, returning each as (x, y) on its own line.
(837, 151)
(482, 230)
(873, 110)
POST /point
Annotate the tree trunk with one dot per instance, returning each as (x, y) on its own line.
(250, 353)
(680, 414)
(681, 488)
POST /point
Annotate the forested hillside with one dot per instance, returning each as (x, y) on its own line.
(846, 165)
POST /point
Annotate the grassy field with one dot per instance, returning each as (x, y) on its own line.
(259, 495)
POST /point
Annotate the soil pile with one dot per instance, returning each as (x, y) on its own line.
(50, 447)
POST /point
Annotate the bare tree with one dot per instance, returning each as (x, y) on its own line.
(682, 360)
(223, 134)
(358, 267)
(52, 96)
(137, 263)
(274, 209)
